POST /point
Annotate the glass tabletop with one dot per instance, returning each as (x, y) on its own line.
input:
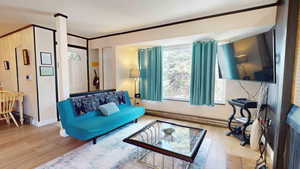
(169, 138)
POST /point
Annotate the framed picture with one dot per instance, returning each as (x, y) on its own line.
(6, 65)
(46, 71)
(25, 57)
(46, 58)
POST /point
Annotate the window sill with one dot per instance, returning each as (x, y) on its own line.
(187, 101)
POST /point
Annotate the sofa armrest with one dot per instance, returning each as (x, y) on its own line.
(66, 112)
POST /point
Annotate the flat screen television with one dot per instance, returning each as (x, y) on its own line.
(250, 58)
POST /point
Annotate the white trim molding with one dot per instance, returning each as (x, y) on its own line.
(43, 123)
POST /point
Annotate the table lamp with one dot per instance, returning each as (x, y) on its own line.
(135, 74)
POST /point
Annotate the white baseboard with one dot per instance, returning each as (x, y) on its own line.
(43, 123)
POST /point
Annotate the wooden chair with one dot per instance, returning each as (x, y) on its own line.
(7, 101)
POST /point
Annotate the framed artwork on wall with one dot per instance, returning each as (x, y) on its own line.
(46, 58)
(6, 65)
(46, 71)
(25, 57)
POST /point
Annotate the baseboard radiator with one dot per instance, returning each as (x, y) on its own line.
(188, 118)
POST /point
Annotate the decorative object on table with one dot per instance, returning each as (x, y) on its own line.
(256, 129)
(168, 131)
(135, 74)
(181, 149)
(6, 65)
(26, 59)
(137, 98)
(96, 81)
(46, 71)
(168, 134)
(46, 58)
(243, 122)
(6, 107)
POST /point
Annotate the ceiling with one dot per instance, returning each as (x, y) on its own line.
(92, 18)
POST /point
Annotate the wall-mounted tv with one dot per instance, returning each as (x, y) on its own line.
(251, 58)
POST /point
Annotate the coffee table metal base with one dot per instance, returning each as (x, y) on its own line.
(159, 161)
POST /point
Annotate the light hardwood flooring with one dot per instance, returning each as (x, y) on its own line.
(28, 147)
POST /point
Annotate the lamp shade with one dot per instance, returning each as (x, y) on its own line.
(134, 73)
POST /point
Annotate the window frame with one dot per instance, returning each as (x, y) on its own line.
(178, 46)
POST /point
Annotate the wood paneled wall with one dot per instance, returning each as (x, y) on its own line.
(296, 79)
(14, 79)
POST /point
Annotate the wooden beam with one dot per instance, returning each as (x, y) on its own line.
(280, 93)
(188, 20)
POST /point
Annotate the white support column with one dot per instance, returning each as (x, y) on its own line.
(63, 63)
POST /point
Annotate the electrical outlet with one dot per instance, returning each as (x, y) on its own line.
(28, 77)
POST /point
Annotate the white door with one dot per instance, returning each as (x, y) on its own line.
(78, 70)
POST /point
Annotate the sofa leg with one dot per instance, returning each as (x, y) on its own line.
(94, 140)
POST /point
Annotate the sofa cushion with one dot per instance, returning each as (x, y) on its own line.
(84, 104)
(112, 98)
(109, 108)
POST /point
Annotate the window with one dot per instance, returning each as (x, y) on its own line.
(177, 61)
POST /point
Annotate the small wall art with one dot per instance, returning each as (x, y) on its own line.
(46, 58)
(46, 71)
(26, 58)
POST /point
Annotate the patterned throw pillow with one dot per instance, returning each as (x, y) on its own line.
(89, 104)
(84, 104)
(112, 98)
(77, 104)
(101, 98)
(121, 97)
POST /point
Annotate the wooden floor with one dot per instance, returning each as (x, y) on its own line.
(28, 147)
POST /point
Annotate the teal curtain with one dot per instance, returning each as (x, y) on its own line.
(150, 64)
(203, 73)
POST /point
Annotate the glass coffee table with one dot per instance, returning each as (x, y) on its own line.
(164, 145)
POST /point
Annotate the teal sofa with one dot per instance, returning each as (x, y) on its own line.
(93, 124)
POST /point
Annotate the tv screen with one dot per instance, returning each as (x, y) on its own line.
(251, 58)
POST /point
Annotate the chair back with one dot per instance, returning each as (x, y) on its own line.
(7, 101)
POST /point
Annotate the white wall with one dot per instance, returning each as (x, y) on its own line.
(19, 41)
(46, 84)
(77, 41)
(109, 68)
(125, 58)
